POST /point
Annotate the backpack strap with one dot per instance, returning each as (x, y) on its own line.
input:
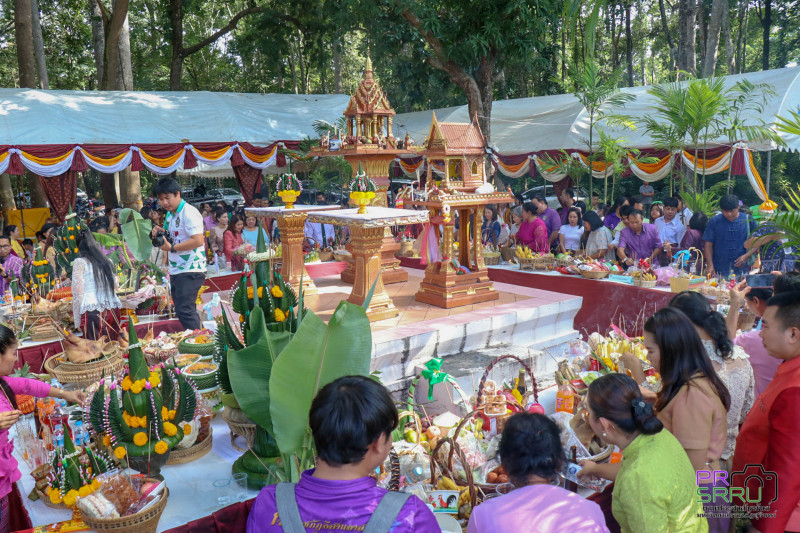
(385, 514)
(288, 512)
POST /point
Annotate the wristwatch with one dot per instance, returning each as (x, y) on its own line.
(172, 248)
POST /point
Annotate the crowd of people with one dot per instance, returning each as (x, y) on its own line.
(717, 413)
(639, 227)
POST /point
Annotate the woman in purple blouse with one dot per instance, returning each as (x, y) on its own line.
(9, 414)
(693, 238)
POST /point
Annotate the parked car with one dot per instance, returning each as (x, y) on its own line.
(396, 184)
(550, 195)
(227, 195)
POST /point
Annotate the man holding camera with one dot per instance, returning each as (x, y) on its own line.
(183, 240)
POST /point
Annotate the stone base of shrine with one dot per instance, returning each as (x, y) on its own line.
(520, 317)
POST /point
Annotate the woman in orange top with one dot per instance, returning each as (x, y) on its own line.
(693, 401)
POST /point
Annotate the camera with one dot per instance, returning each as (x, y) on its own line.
(160, 237)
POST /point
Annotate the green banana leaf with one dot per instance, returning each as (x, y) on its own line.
(316, 355)
(249, 369)
(136, 231)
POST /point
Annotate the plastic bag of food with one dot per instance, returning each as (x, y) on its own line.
(119, 490)
(97, 505)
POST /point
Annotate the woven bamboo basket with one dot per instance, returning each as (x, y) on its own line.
(407, 248)
(342, 255)
(648, 284)
(143, 522)
(45, 499)
(198, 450)
(491, 259)
(525, 263)
(507, 253)
(325, 255)
(682, 283)
(595, 274)
(83, 374)
(544, 264)
(565, 261)
(239, 429)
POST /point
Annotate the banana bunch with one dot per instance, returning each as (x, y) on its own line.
(648, 276)
(609, 351)
(524, 252)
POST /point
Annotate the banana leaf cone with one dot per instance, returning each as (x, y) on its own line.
(136, 361)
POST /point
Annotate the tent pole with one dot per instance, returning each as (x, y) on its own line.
(769, 169)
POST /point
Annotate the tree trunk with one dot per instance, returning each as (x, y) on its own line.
(729, 52)
(176, 63)
(719, 11)
(766, 25)
(687, 15)
(38, 46)
(130, 189)
(38, 198)
(98, 40)
(629, 43)
(108, 183)
(701, 31)
(740, 37)
(125, 78)
(7, 202)
(673, 54)
(113, 35)
(614, 37)
(24, 36)
(337, 67)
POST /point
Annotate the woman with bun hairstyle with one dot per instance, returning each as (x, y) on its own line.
(654, 487)
(532, 454)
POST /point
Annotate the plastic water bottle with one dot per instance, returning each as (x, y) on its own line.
(77, 432)
(58, 436)
(221, 261)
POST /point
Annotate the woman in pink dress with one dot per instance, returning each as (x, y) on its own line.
(9, 414)
(533, 232)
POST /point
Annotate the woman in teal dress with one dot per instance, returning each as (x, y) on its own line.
(655, 488)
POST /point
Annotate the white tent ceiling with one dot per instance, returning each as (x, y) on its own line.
(523, 125)
(29, 116)
(527, 125)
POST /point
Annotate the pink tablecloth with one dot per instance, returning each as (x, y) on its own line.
(315, 270)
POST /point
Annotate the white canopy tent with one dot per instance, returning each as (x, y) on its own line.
(34, 117)
(526, 125)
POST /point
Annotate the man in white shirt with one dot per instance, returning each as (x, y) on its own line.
(187, 257)
(322, 234)
(669, 227)
(684, 213)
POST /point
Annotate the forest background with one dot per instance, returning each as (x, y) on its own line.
(426, 53)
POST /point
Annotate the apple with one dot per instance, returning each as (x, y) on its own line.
(536, 407)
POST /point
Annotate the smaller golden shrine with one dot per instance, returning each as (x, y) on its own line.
(459, 276)
(462, 149)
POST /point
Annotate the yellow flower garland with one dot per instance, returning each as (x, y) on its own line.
(119, 452)
(161, 447)
(170, 429)
(279, 315)
(276, 291)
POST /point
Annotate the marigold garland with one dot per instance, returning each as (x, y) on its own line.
(161, 447)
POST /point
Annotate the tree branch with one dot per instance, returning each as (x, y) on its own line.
(234, 22)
